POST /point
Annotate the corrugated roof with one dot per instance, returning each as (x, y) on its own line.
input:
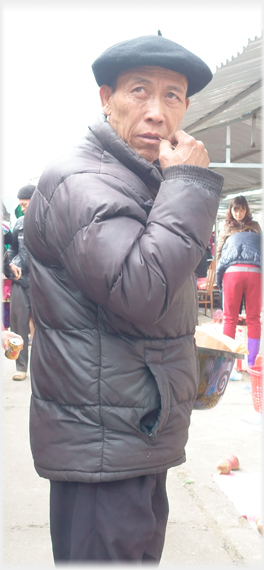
(227, 117)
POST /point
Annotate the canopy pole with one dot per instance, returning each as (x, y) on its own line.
(253, 130)
(228, 144)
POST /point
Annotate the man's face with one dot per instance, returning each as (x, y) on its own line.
(24, 205)
(149, 103)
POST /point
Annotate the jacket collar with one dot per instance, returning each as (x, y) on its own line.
(111, 142)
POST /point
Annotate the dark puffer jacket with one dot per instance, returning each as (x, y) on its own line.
(242, 247)
(113, 365)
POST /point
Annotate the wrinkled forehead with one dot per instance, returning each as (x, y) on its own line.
(152, 74)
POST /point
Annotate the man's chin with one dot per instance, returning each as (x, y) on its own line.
(148, 154)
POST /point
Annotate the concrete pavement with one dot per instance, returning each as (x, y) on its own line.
(204, 529)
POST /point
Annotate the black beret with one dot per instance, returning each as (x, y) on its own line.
(151, 50)
(25, 193)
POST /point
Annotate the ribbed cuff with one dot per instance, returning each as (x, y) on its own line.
(194, 174)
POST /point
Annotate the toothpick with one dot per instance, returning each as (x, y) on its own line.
(173, 147)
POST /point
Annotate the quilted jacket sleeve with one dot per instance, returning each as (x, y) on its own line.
(132, 265)
(170, 248)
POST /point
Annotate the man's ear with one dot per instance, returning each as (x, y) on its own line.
(105, 94)
(187, 103)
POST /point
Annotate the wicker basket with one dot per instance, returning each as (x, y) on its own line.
(256, 387)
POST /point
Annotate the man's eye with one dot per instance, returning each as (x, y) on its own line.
(172, 95)
(138, 89)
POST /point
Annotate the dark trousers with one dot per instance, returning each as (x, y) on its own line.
(116, 520)
(19, 320)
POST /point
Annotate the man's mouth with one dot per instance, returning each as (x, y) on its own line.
(151, 138)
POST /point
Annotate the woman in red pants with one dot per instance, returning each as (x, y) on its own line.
(238, 272)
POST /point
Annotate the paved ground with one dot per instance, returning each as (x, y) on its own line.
(204, 529)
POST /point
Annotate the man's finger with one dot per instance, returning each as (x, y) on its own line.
(165, 145)
(165, 141)
(178, 137)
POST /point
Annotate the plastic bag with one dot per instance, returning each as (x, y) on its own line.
(208, 337)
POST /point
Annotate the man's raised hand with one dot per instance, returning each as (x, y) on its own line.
(181, 148)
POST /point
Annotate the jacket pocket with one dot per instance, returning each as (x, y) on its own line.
(155, 421)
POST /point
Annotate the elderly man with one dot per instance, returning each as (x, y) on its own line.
(115, 232)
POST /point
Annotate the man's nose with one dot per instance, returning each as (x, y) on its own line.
(155, 111)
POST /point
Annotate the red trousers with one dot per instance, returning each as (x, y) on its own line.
(238, 281)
